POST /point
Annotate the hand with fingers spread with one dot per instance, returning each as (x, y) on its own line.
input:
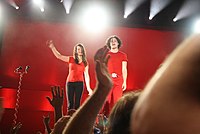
(57, 101)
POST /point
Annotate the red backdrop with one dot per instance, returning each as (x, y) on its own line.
(24, 44)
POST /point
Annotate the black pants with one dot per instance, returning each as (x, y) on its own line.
(74, 94)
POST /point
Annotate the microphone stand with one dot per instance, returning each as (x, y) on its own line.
(21, 73)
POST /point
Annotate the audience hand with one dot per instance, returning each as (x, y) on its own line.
(57, 100)
(46, 119)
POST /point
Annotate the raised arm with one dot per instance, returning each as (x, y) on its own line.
(87, 80)
(124, 74)
(85, 117)
(46, 121)
(56, 53)
(57, 101)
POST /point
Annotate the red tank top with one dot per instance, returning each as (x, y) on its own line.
(75, 71)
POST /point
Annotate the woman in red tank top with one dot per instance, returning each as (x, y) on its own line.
(77, 67)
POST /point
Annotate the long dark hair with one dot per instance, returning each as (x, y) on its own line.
(75, 54)
(111, 37)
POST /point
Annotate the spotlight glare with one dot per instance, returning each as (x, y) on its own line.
(156, 6)
(13, 4)
(17, 7)
(125, 16)
(95, 19)
(42, 9)
(37, 2)
(67, 4)
(150, 17)
(130, 6)
(0, 13)
(197, 26)
(188, 8)
(175, 19)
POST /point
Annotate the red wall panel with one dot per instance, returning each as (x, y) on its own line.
(24, 43)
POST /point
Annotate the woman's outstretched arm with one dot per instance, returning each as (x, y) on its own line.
(56, 53)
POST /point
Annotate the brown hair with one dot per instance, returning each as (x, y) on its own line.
(111, 37)
(119, 119)
(75, 54)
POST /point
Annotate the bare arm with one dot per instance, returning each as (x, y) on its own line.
(46, 120)
(85, 117)
(170, 103)
(57, 101)
(124, 74)
(87, 80)
(56, 53)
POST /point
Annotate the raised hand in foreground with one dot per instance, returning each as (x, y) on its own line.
(57, 101)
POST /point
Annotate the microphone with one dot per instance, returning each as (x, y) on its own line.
(27, 68)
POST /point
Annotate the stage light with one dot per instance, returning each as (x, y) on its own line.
(17, 7)
(125, 16)
(197, 26)
(95, 18)
(67, 4)
(175, 19)
(187, 9)
(40, 4)
(0, 14)
(156, 6)
(150, 17)
(130, 6)
(13, 4)
(42, 9)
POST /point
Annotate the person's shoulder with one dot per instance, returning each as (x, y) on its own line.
(123, 53)
(71, 59)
